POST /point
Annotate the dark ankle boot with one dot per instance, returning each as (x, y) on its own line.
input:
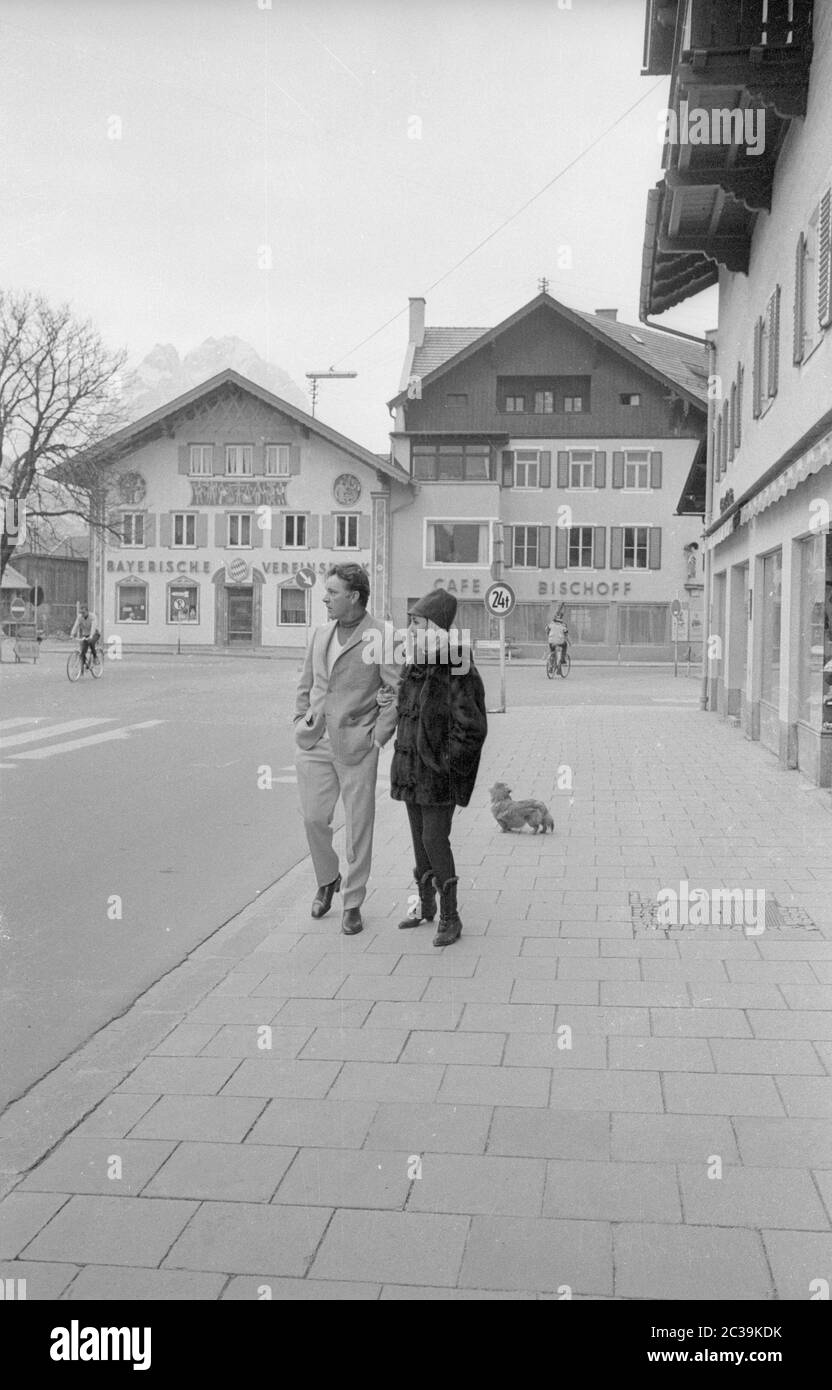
(450, 926)
(426, 910)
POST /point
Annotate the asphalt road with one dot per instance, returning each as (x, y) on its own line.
(143, 787)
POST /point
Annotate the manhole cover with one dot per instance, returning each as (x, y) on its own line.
(705, 910)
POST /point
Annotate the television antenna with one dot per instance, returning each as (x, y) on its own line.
(329, 375)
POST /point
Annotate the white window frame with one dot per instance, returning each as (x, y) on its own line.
(487, 522)
(346, 518)
(569, 407)
(239, 517)
(525, 564)
(583, 464)
(242, 454)
(199, 455)
(637, 459)
(527, 464)
(185, 518)
(544, 409)
(133, 544)
(635, 530)
(279, 455)
(180, 584)
(295, 544)
(281, 622)
(580, 566)
(133, 583)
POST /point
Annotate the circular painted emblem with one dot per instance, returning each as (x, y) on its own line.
(346, 489)
(238, 570)
(131, 488)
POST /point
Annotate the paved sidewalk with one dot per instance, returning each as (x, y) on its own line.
(569, 1101)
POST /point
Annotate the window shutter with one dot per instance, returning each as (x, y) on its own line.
(825, 260)
(327, 532)
(150, 528)
(732, 412)
(654, 552)
(618, 469)
(365, 526)
(738, 411)
(202, 529)
(220, 529)
(184, 458)
(508, 547)
(656, 468)
(773, 341)
(600, 468)
(276, 530)
(164, 529)
(599, 547)
(544, 551)
(294, 459)
(616, 547)
(546, 468)
(507, 474)
(563, 468)
(561, 547)
(218, 460)
(756, 384)
(258, 459)
(799, 296)
(313, 532)
(256, 531)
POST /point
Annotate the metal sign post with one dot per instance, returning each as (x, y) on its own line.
(675, 615)
(306, 579)
(500, 600)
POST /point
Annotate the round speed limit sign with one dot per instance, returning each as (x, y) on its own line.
(500, 599)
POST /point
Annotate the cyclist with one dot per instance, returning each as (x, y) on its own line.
(86, 627)
(558, 635)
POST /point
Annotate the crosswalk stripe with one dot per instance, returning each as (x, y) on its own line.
(33, 735)
(15, 723)
(108, 736)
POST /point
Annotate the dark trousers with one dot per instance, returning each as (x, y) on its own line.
(430, 827)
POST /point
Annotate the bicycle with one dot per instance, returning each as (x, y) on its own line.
(75, 667)
(552, 664)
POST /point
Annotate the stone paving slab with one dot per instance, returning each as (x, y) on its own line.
(560, 1104)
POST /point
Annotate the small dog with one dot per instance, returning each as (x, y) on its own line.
(513, 815)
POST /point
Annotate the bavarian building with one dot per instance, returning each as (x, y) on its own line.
(757, 220)
(218, 506)
(570, 436)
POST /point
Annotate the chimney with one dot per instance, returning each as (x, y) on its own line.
(607, 314)
(417, 322)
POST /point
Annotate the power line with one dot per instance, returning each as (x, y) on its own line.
(511, 218)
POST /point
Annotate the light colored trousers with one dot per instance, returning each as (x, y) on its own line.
(321, 780)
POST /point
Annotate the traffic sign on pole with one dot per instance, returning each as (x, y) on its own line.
(500, 599)
(17, 609)
(306, 577)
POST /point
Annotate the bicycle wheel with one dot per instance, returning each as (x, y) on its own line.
(550, 667)
(73, 666)
(96, 667)
(565, 665)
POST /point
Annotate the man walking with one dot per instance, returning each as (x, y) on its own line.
(339, 729)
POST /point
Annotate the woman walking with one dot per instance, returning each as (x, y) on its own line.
(439, 736)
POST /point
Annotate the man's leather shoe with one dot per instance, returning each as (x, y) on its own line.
(351, 923)
(322, 901)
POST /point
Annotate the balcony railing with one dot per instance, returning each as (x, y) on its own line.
(726, 27)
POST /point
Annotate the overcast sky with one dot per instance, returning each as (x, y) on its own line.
(291, 128)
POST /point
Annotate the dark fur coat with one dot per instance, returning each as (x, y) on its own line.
(441, 728)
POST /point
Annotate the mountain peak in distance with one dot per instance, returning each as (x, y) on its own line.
(162, 374)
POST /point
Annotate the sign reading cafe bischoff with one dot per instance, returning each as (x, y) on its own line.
(238, 492)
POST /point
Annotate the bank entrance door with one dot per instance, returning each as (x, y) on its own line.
(240, 617)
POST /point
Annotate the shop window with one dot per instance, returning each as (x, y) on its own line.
(587, 623)
(814, 654)
(292, 604)
(771, 615)
(643, 624)
(131, 603)
(183, 603)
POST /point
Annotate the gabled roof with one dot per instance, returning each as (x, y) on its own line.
(13, 579)
(677, 363)
(150, 425)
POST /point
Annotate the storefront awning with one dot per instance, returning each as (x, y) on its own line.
(809, 463)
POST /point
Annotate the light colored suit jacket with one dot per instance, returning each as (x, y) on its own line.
(344, 703)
